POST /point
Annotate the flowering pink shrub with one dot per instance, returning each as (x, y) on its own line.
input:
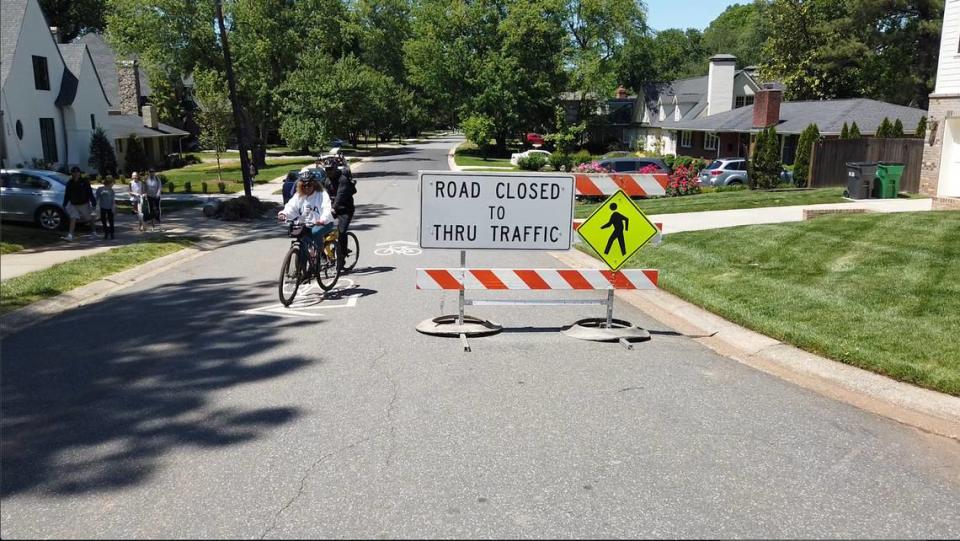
(683, 181)
(591, 167)
(649, 169)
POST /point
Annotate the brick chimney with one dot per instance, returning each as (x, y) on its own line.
(766, 106)
(128, 87)
(621, 92)
(150, 117)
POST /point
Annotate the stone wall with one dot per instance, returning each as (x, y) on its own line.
(941, 107)
(128, 87)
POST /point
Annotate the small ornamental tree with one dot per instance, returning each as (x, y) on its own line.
(135, 157)
(845, 131)
(855, 131)
(756, 158)
(102, 157)
(479, 129)
(885, 130)
(216, 115)
(897, 130)
(921, 130)
(565, 136)
(801, 165)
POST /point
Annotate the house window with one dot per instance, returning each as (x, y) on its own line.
(710, 141)
(686, 139)
(743, 101)
(41, 76)
(19, 129)
(93, 122)
(48, 140)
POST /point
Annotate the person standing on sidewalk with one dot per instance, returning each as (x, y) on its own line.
(78, 201)
(153, 190)
(105, 200)
(137, 191)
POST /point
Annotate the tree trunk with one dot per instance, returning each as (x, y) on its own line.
(219, 178)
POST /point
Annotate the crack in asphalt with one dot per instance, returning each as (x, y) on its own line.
(391, 430)
(306, 474)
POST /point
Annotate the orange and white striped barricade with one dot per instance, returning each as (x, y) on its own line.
(634, 184)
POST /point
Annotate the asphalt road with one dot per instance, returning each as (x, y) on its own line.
(189, 406)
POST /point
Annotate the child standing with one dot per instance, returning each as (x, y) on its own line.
(137, 191)
(105, 200)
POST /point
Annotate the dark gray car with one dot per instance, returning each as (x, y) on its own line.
(633, 165)
(32, 195)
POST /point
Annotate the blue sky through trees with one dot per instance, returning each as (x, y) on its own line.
(663, 14)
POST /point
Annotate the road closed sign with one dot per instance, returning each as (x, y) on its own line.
(501, 211)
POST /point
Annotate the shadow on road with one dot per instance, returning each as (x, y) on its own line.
(93, 400)
(379, 174)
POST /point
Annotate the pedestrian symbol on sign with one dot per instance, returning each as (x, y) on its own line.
(620, 224)
(617, 229)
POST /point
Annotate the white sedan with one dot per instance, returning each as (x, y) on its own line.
(515, 158)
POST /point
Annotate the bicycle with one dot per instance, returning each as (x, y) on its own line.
(320, 264)
(352, 253)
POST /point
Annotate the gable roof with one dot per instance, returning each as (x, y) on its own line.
(105, 59)
(795, 116)
(11, 23)
(127, 125)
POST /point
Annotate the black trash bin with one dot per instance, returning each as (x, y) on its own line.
(860, 179)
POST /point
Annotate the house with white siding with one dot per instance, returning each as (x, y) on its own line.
(52, 98)
(940, 171)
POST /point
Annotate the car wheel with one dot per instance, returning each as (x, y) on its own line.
(735, 183)
(50, 218)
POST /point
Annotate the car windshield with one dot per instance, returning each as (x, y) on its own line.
(715, 164)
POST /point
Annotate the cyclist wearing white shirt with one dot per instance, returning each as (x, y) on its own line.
(311, 205)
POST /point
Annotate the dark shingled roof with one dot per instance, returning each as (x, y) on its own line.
(127, 125)
(105, 59)
(795, 116)
(11, 21)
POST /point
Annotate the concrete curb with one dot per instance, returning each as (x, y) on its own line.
(451, 162)
(927, 410)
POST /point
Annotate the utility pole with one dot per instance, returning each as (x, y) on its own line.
(237, 117)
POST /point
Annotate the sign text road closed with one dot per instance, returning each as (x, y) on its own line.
(515, 211)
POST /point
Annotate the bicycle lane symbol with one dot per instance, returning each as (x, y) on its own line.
(311, 302)
(398, 247)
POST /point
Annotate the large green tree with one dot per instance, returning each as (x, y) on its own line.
(74, 17)
(736, 31)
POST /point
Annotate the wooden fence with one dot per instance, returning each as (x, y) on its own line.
(828, 163)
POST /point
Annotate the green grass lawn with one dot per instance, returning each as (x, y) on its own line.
(34, 286)
(877, 291)
(195, 174)
(739, 199)
(468, 155)
(14, 238)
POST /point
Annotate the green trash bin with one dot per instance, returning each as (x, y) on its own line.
(887, 184)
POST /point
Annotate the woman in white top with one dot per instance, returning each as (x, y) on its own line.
(137, 191)
(311, 205)
(153, 188)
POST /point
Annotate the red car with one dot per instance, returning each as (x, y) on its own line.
(534, 139)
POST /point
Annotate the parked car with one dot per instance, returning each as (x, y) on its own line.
(534, 139)
(725, 172)
(732, 172)
(337, 143)
(633, 165)
(516, 157)
(32, 195)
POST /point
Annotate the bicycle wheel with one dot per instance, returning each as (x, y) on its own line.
(353, 252)
(290, 276)
(327, 271)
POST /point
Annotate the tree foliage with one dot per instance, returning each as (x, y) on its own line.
(736, 31)
(801, 164)
(102, 158)
(845, 131)
(855, 131)
(765, 165)
(897, 130)
(885, 129)
(135, 158)
(216, 114)
(74, 17)
(921, 130)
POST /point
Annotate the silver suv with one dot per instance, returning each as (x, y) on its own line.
(725, 172)
(33, 195)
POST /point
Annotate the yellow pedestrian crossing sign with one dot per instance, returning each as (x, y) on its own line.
(617, 229)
